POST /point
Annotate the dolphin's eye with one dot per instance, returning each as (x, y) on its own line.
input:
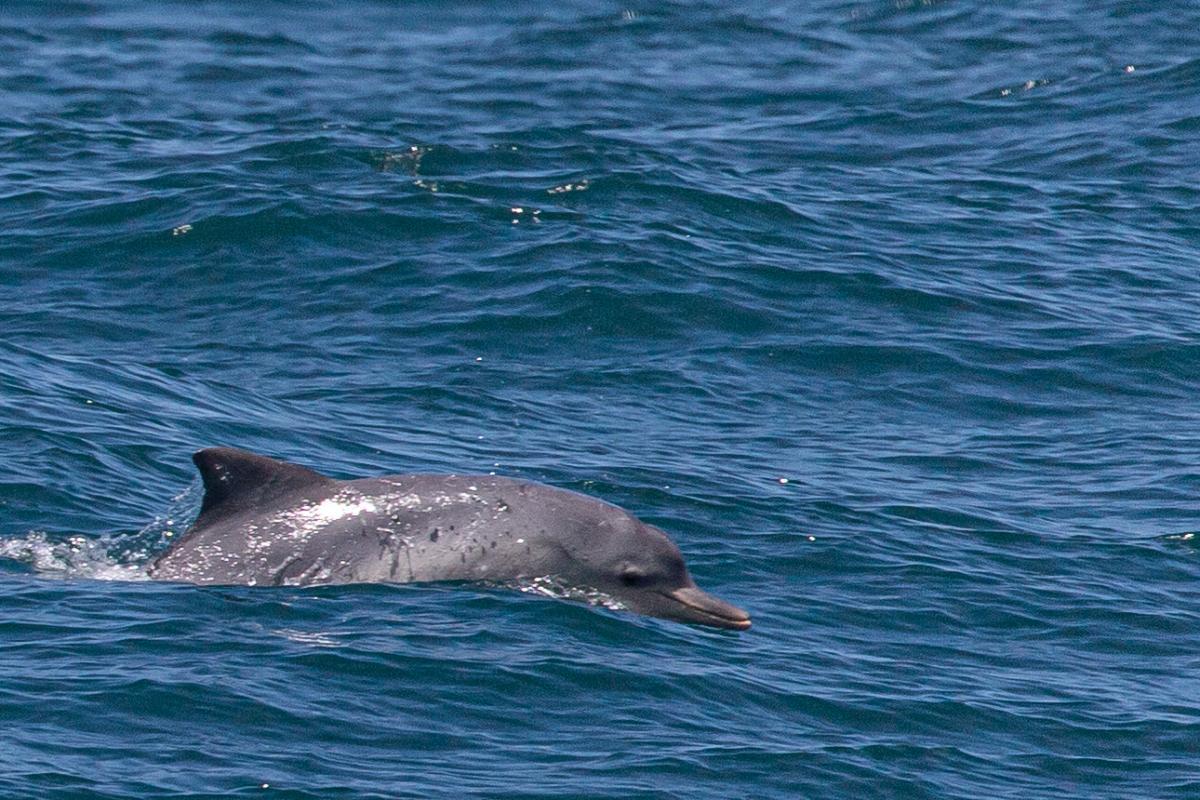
(632, 576)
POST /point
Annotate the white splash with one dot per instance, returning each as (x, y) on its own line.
(107, 557)
(73, 557)
(550, 586)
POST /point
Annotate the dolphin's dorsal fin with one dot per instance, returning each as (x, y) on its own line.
(235, 480)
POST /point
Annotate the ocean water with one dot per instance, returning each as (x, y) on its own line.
(889, 312)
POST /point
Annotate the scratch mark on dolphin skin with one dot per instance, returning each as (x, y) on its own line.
(395, 564)
(280, 574)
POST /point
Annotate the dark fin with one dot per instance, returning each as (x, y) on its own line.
(236, 479)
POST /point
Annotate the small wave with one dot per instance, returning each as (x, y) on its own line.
(314, 638)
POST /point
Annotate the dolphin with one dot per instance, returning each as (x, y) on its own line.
(265, 522)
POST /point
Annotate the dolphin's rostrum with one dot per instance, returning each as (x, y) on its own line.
(270, 523)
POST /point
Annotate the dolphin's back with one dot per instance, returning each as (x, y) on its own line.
(264, 521)
(231, 539)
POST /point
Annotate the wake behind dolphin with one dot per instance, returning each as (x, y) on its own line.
(265, 522)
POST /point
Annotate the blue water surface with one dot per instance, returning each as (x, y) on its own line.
(886, 311)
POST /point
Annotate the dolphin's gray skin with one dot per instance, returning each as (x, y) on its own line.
(269, 523)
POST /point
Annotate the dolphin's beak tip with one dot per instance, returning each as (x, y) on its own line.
(704, 609)
(739, 621)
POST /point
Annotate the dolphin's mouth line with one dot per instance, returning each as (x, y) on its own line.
(721, 620)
